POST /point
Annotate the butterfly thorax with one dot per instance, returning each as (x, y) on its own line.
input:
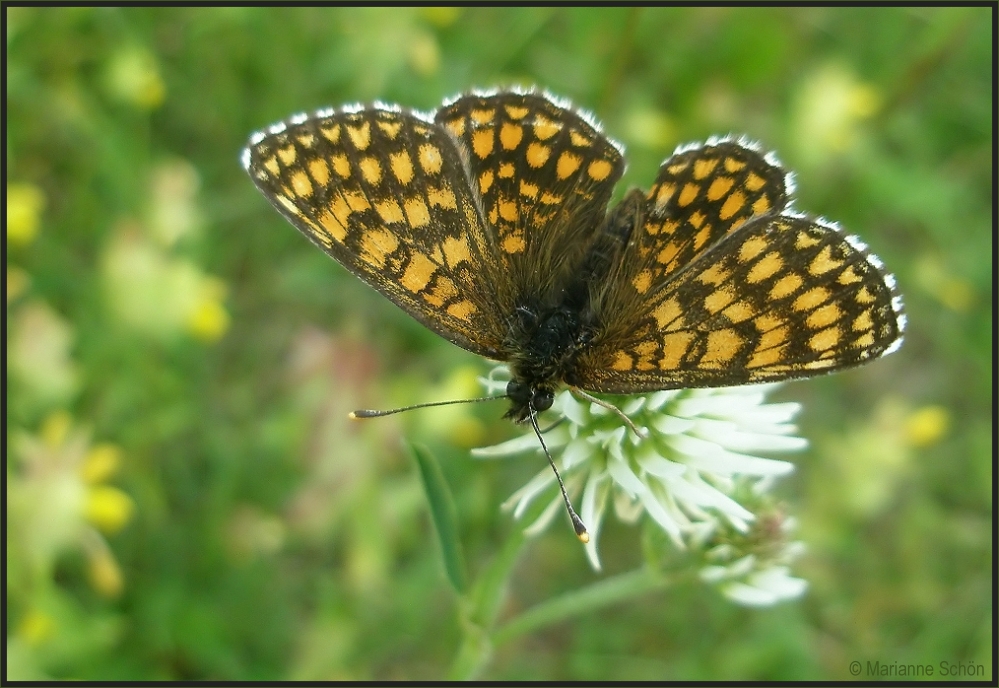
(546, 342)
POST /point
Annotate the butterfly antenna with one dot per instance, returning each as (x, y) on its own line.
(368, 413)
(577, 522)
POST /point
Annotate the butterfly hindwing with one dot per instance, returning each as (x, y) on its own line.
(781, 297)
(700, 195)
(703, 193)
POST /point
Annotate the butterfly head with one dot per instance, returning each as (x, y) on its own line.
(525, 397)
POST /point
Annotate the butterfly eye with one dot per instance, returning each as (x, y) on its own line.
(543, 399)
(517, 391)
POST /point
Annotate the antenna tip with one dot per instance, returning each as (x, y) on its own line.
(367, 413)
(584, 537)
(577, 525)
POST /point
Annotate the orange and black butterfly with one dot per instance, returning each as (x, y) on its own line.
(488, 222)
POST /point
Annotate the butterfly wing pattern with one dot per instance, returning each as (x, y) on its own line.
(385, 192)
(487, 222)
(723, 285)
(544, 175)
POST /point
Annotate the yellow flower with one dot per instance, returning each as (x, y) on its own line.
(650, 128)
(25, 203)
(55, 429)
(18, 282)
(441, 17)
(863, 101)
(173, 212)
(36, 627)
(424, 54)
(162, 295)
(209, 319)
(134, 77)
(38, 354)
(829, 108)
(926, 426)
(58, 502)
(108, 508)
(101, 462)
(938, 280)
(105, 574)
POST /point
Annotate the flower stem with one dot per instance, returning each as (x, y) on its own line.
(478, 611)
(602, 594)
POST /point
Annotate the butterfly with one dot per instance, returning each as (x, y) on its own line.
(488, 222)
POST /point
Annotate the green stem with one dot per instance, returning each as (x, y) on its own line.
(478, 611)
(475, 650)
(602, 594)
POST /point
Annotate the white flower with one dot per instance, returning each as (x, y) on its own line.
(696, 475)
(752, 569)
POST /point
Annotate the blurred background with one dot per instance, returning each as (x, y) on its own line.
(185, 497)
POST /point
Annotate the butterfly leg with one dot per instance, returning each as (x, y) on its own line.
(642, 434)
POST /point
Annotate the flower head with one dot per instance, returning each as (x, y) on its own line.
(696, 474)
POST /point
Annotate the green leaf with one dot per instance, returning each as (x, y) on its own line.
(444, 515)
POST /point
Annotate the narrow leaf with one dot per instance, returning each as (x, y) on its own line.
(444, 515)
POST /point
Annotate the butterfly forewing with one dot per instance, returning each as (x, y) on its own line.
(385, 193)
(544, 175)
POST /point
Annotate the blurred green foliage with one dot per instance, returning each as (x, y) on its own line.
(186, 499)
